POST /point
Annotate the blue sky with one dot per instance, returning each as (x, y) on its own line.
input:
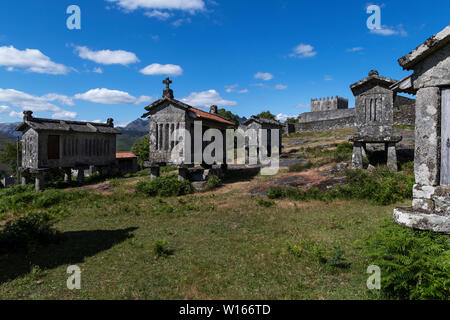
(248, 56)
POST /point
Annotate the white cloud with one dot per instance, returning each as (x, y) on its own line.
(31, 60)
(303, 51)
(4, 109)
(98, 70)
(264, 76)
(328, 78)
(281, 87)
(243, 91)
(179, 22)
(390, 31)
(232, 88)
(158, 69)
(106, 96)
(184, 5)
(14, 114)
(283, 117)
(160, 15)
(64, 115)
(206, 99)
(107, 57)
(123, 124)
(355, 49)
(27, 101)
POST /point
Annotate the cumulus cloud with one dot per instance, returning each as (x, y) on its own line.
(158, 69)
(355, 49)
(107, 57)
(31, 60)
(233, 88)
(14, 114)
(106, 96)
(303, 51)
(390, 31)
(283, 117)
(281, 87)
(98, 70)
(27, 101)
(160, 15)
(206, 99)
(63, 114)
(183, 5)
(264, 76)
(4, 109)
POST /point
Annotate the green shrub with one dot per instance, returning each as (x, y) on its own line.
(299, 167)
(212, 183)
(160, 249)
(381, 187)
(266, 203)
(166, 186)
(414, 264)
(28, 232)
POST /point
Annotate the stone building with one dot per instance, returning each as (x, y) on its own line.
(168, 115)
(327, 104)
(374, 118)
(258, 124)
(127, 162)
(49, 143)
(431, 84)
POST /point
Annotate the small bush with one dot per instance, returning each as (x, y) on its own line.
(299, 167)
(414, 264)
(28, 232)
(212, 183)
(266, 203)
(166, 186)
(160, 249)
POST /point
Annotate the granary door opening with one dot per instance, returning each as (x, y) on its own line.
(445, 150)
(53, 147)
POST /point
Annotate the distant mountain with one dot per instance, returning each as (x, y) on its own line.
(9, 129)
(138, 125)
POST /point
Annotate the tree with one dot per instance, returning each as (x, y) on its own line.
(228, 115)
(267, 115)
(142, 149)
(292, 120)
(9, 156)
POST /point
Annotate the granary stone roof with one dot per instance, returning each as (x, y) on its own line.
(40, 124)
(125, 155)
(198, 113)
(373, 76)
(262, 121)
(424, 50)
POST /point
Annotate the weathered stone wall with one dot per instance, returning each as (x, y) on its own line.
(433, 71)
(326, 115)
(333, 103)
(404, 111)
(323, 125)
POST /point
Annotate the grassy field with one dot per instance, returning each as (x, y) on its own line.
(223, 244)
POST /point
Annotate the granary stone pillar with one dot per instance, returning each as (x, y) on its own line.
(39, 181)
(67, 174)
(427, 140)
(24, 180)
(154, 172)
(80, 176)
(391, 156)
(182, 174)
(357, 157)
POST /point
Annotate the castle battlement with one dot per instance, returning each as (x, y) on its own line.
(329, 103)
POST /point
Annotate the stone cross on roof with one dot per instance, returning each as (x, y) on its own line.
(167, 82)
(167, 93)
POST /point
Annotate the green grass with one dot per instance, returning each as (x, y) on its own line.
(215, 246)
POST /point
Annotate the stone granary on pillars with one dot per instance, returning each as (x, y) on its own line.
(431, 84)
(374, 118)
(259, 124)
(49, 143)
(168, 115)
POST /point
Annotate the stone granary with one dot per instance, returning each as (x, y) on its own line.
(374, 118)
(167, 115)
(258, 124)
(431, 84)
(48, 144)
(127, 162)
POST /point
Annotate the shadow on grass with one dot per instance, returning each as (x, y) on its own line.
(73, 248)
(241, 173)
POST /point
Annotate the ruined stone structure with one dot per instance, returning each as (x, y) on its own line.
(431, 83)
(374, 118)
(333, 103)
(49, 143)
(259, 124)
(168, 115)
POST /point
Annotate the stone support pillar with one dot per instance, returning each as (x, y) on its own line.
(357, 158)
(154, 172)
